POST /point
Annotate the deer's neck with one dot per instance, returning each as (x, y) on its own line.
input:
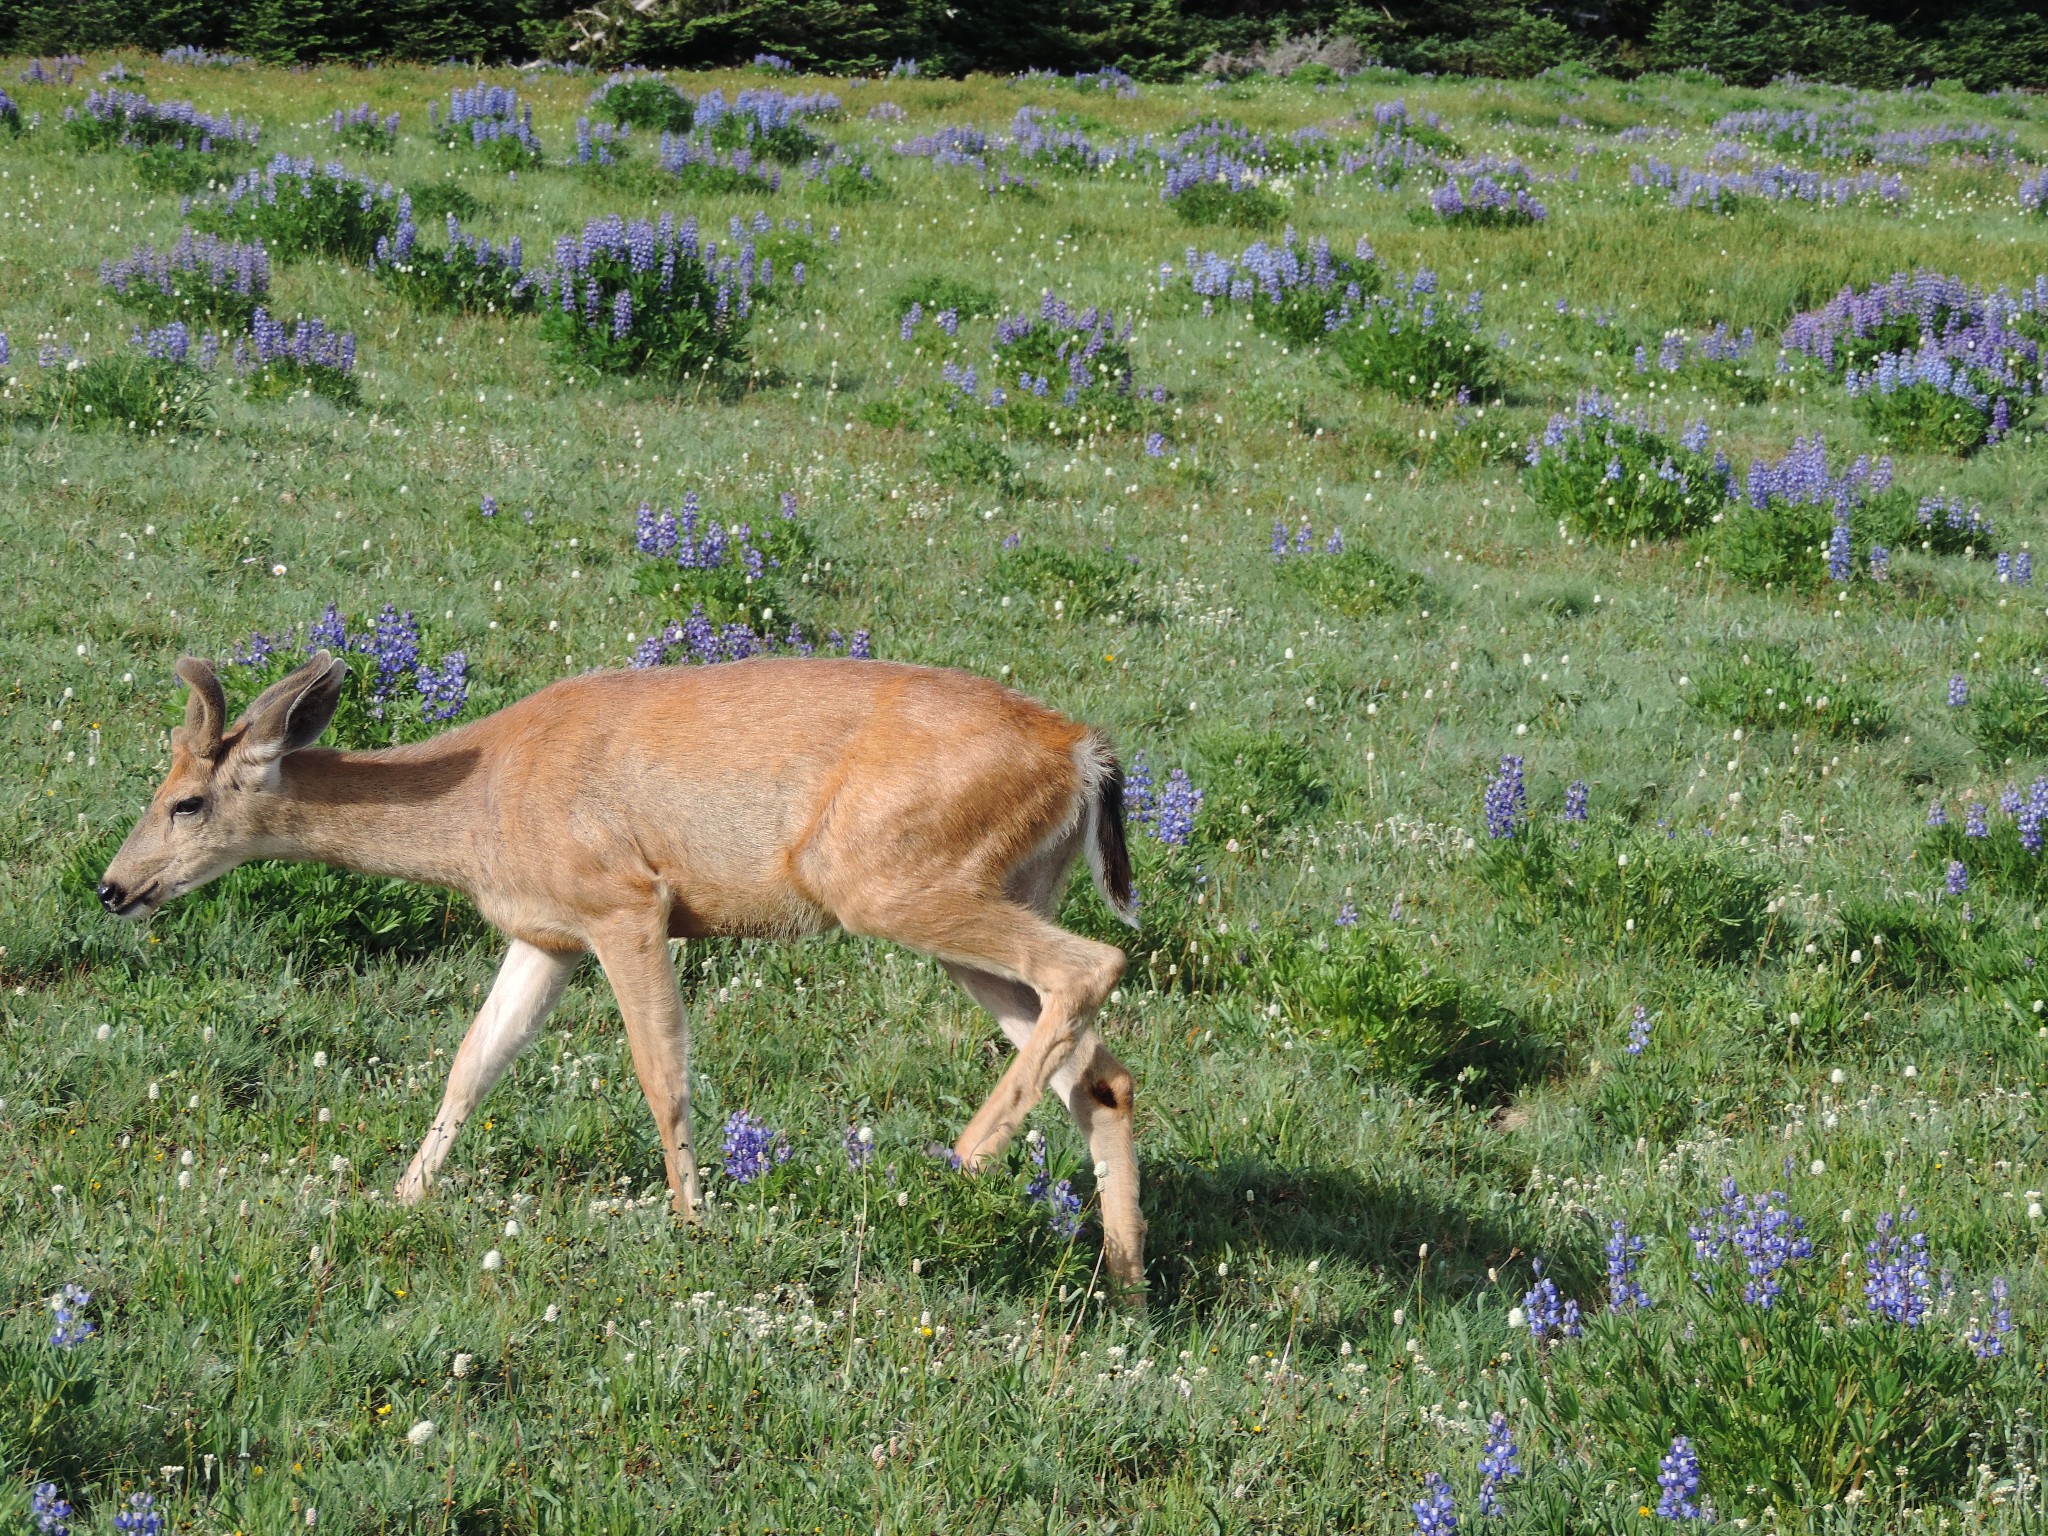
(413, 813)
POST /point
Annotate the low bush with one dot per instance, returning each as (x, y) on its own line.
(1299, 291)
(1086, 581)
(295, 209)
(1615, 474)
(1352, 580)
(1218, 204)
(1416, 348)
(198, 278)
(646, 102)
(1687, 896)
(1772, 687)
(468, 273)
(650, 298)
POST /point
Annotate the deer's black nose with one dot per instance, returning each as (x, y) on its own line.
(113, 896)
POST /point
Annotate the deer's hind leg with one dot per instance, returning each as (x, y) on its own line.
(1098, 1092)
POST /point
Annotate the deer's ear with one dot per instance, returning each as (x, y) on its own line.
(206, 707)
(293, 711)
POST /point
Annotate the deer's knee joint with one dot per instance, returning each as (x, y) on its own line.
(1113, 1092)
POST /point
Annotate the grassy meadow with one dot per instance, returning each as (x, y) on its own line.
(1739, 955)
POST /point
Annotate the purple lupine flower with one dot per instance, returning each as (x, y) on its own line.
(489, 506)
(443, 693)
(1958, 878)
(1436, 1512)
(50, 1509)
(1179, 800)
(1347, 916)
(860, 646)
(1678, 1478)
(1139, 804)
(1986, 1342)
(2032, 815)
(73, 1326)
(1575, 795)
(1280, 545)
(2009, 800)
(140, 1518)
(329, 631)
(395, 647)
(1841, 561)
(622, 314)
(1063, 1206)
(1975, 823)
(1548, 1313)
(1334, 544)
(1897, 1284)
(860, 1148)
(1623, 1254)
(1880, 563)
(1760, 1231)
(1155, 445)
(752, 1148)
(910, 318)
(1506, 799)
(2023, 569)
(1638, 1030)
(1937, 814)
(1499, 1462)
(788, 505)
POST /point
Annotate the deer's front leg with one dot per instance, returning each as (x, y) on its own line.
(636, 961)
(529, 984)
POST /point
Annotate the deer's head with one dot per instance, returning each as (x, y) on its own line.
(207, 815)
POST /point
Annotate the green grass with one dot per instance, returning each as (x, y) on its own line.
(1356, 1137)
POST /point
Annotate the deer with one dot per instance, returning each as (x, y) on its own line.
(776, 797)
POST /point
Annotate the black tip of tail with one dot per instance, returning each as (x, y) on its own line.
(1113, 853)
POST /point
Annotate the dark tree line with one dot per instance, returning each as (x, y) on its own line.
(1983, 43)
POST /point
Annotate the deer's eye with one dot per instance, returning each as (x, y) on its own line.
(189, 807)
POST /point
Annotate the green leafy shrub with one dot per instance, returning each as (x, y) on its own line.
(1415, 348)
(1926, 418)
(468, 273)
(148, 389)
(1613, 474)
(1790, 1385)
(1254, 782)
(730, 571)
(1409, 1020)
(935, 293)
(1087, 582)
(649, 102)
(1212, 203)
(642, 298)
(843, 181)
(963, 456)
(1348, 578)
(1302, 292)
(1903, 946)
(1773, 686)
(1687, 895)
(2007, 715)
(296, 210)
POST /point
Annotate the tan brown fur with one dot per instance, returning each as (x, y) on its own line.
(775, 797)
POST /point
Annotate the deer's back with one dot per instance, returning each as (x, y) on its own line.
(759, 794)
